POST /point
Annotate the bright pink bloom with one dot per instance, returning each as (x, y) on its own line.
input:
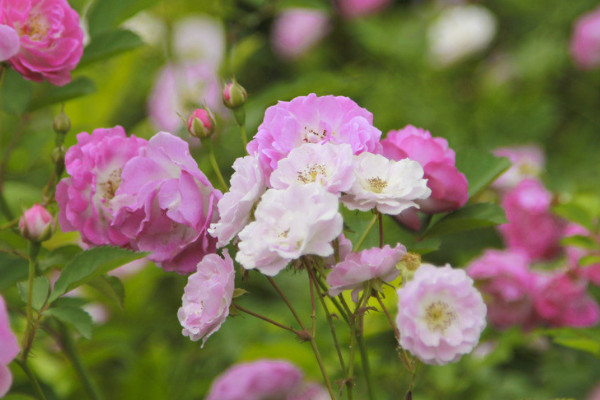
(506, 281)
(449, 187)
(531, 227)
(95, 164)
(36, 223)
(357, 8)
(312, 119)
(9, 42)
(563, 301)
(296, 30)
(358, 268)
(585, 42)
(9, 348)
(574, 254)
(527, 162)
(207, 297)
(440, 314)
(257, 380)
(51, 40)
(165, 205)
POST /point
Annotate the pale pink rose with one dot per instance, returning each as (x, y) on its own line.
(531, 227)
(290, 223)
(361, 267)
(507, 284)
(296, 30)
(357, 8)
(246, 185)
(449, 187)
(440, 314)
(51, 40)
(36, 224)
(574, 254)
(256, 380)
(9, 42)
(312, 119)
(207, 297)
(585, 42)
(95, 164)
(527, 162)
(330, 165)
(9, 348)
(165, 205)
(390, 186)
(562, 300)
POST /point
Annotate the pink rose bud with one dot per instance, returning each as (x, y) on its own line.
(36, 224)
(234, 95)
(201, 124)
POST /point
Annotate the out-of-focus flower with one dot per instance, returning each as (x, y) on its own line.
(51, 40)
(152, 30)
(247, 184)
(36, 224)
(531, 227)
(312, 119)
(9, 349)
(95, 164)
(585, 42)
(296, 30)
(290, 223)
(234, 95)
(201, 124)
(310, 391)
(440, 314)
(527, 162)
(574, 255)
(358, 268)
(357, 8)
(390, 186)
(207, 297)
(9, 42)
(459, 32)
(199, 38)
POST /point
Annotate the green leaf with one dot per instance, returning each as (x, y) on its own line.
(17, 396)
(12, 270)
(111, 287)
(108, 44)
(108, 14)
(15, 94)
(581, 241)
(41, 289)
(76, 317)
(426, 246)
(473, 216)
(575, 213)
(50, 94)
(237, 292)
(89, 264)
(586, 261)
(480, 167)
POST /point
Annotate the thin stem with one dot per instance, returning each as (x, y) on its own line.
(244, 136)
(380, 219)
(313, 314)
(36, 385)
(389, 317)
(34, 249)
(335, 302)
(245, 310)
(350, 374)
(364, 357)
(366, 233)
(3, 71)
(287, 302)
(213, 162)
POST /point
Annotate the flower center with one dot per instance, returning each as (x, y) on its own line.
(110, 186)
(439, 316)
(36, 27)
(376, 185)
(312, 136)
(310, 174)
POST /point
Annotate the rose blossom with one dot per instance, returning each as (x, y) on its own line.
(95, 164)
(290, 223)
(449, 187)
(531, 227)
(9, 42)
(357, 8)
(296, 30)
(585, 42)
(36, 224)
(574, 254)
(390, 186)
(9, 349)
(440, 314)
(312, 119)
(246, 186)
(330, 165)
(358, 268)
(506, 281)
(207, 297)
(527, 162)
(51, 40)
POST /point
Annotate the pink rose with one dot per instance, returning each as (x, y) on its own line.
(207, 297)
(449, 187)
(36, 224)
(357, 8)
(9, 349)
(51, 40)
(296, 30)
(585, 42)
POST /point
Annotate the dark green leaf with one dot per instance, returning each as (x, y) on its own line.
(76, 317)
(108, 14)
(480, 167)
(76, 302)
(41, 289)
(111, 287)
(80, 86)
(60, 256)
(16, 93)
(575, 213)
(109, 43)
(12, 270)
(473, 216)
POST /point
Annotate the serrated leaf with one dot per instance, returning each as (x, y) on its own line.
(50, 94)
(16, 93)
(581, 241)
(76, 302)
(41, 289)
(111, 287)
(108, 44)
(76, 317)
(586, 261)
(575, 213)
(89, 264)
(473, 216)
(480, 167)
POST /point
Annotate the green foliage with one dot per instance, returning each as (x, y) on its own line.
(108, 44)
(75, 317)
(473, 216)
(480, 168)
(40, 292)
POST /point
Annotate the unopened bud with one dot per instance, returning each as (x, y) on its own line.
(234, 95)
(58, 155)
(201, 124)
(36, 224)
(61, 123)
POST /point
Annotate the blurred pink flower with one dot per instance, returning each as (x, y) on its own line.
(440, 314)
(51, 40)
(585, 42)
(9, 349)
(357, 8)
(9, 42)
(527, 162)
(296, 30)
(36, 224)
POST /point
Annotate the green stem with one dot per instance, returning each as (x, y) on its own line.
(31, 376)
(34, 249)
(4, 208)
(243, 135)
(71, 352)
(3, 71)
(350, 374)
(286, 301)
(366, 233)
(213, 162)
(364, 357)
(245, 310)
(380, 219)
